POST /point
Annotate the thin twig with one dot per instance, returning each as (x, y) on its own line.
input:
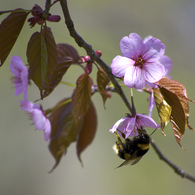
(47, 8)
(177, 169)
(79, 40)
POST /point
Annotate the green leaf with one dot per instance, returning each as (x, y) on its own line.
(37, 58)
(63, 131)
(102, 82)
(10, 29)
(81, 97)
(164, 109)
(87, 133)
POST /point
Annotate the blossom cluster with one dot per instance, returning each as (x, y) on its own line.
(20, 79)
(142, 64)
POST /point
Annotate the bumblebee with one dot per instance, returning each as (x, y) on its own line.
(132, 150)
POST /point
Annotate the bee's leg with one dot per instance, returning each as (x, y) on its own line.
(121, 133)
(118, 136)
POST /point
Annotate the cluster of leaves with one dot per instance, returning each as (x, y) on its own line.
(72, 119)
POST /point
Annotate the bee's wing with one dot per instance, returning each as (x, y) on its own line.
(134, 161)
(131, 160)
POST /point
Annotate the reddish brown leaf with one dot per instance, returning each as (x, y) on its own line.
(65, 50)
(9, 31)
(63, 131)
(81, 97)
(51, 53)
(37, 59)
(164, 109)
(88, 131)
(66, 56)
(102, 82)
(178, 120)
(178, 89)
(61, 68)
(175, 95)
(42, 58)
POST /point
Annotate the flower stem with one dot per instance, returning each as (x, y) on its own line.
(69, 84)
(53, 108)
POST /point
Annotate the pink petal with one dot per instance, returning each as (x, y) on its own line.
(134, 77)
(155, 44)
(146, 121)
(124, 125)
(16, 66)
(151, 104)
(39, 119)
(132, 134)
(167, 63)
(131, 46)
(131, 129)
(147, 38)
(114, 128)
(131, 124)
(19, 88)
(20, 71)
(29, 106)
(47, 130)
(153, 72)
(26, 105)
(151, 55)
(120, 64)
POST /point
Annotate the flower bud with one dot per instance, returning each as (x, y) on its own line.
(87, 58)
(88, 68)
(99, 53)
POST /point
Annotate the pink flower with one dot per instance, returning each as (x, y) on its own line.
(20, 72)
(38, 117)
(129, 125)
(140, 61)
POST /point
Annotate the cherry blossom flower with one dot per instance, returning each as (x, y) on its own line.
(140, 61)
(38, 117)
(20, 72)
(129, 125)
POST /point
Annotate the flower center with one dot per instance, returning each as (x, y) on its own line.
(139, 62)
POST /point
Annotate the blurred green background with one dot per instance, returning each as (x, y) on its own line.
(24, 157)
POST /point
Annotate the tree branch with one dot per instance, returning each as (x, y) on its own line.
(177, 169)
(79, 40)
